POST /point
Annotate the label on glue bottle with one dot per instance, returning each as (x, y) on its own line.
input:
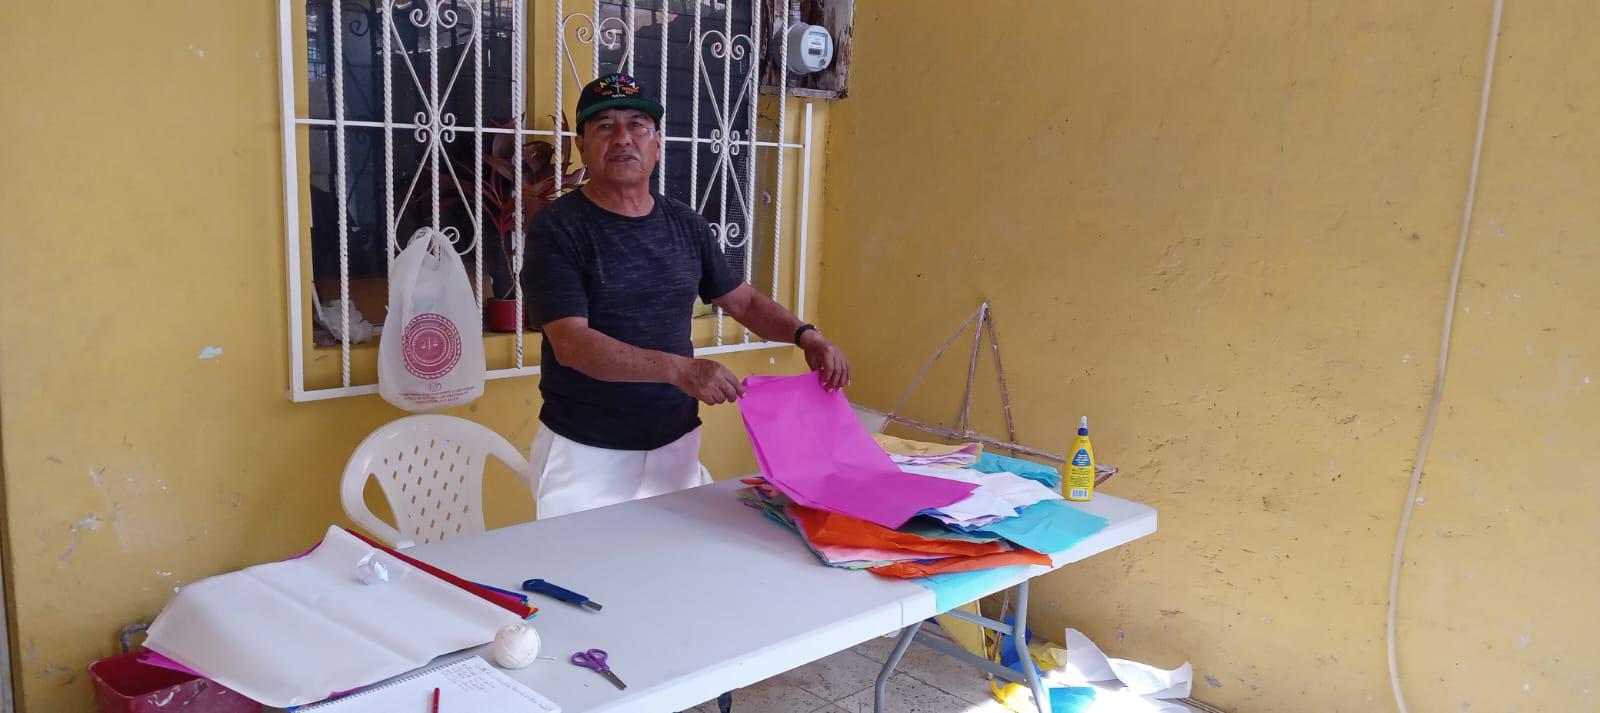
(1079, 483)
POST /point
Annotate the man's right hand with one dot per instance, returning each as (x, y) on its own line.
(708, 381)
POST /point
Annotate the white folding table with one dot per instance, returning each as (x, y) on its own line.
(704, 595)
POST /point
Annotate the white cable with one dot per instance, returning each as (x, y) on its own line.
(1444, 358)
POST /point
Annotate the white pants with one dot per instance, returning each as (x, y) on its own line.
(574, 477)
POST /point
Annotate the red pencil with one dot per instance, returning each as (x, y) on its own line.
(435, 700)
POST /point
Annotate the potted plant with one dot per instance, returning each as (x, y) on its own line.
(540, 184)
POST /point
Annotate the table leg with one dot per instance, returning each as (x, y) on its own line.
(1041, 697)
(900, 646)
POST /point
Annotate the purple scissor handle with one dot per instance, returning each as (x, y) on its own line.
(595, 660)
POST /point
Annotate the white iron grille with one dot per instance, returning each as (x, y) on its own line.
(396, 87)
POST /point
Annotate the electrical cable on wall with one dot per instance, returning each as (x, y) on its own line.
(1444, 358)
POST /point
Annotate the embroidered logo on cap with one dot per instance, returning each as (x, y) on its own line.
(616, 86)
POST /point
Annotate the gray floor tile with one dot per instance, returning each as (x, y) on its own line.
(835, 677)
(908, 695)
(926, 682)
(876, 649)
(932, 667)
(879, 648)
(773, 695)
(945, 673)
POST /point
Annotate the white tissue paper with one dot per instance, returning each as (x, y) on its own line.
(370, 571)
(297, 631)
(361, 331)
(1085, 662)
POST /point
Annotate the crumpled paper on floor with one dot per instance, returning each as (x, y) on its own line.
(1086, 662)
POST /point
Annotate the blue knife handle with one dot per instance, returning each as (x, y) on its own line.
(539, 586)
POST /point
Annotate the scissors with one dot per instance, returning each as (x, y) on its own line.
(595, 660)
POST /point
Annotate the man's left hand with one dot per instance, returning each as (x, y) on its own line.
(824, 357)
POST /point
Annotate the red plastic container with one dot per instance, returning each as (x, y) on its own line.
(124, 685)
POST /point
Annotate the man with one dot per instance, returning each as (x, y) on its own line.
(613, 271)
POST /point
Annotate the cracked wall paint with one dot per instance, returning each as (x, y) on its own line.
(87, 524)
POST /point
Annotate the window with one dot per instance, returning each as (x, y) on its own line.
(497, 71)
(364, 102)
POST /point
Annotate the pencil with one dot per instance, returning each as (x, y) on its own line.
(435, 700)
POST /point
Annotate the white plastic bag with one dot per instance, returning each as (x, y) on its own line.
(431, 353)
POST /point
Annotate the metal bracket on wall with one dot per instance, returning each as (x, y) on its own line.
(982, 322)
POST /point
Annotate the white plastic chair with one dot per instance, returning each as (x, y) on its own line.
(430, 468)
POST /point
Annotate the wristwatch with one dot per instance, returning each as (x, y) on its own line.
(802, 330)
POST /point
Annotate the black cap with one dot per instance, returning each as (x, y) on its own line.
(614, 91)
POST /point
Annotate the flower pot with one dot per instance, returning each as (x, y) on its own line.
(501, 316)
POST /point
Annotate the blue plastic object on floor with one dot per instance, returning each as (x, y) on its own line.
(1063, 699)
(1008, 649)
(1071, 699)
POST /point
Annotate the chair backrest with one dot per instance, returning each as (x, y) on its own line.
(430, 468)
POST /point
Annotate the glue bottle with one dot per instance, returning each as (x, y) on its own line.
(1080, 465)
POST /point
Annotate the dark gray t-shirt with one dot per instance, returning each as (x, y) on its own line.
(635, 279)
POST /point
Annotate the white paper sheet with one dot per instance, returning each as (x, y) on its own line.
(999, 495)
(1015, 490)
(293, 632)
(1085, 662)
(976, 506)
(1108, 700)
(469, 684)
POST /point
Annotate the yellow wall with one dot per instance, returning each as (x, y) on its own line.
(1224, 231)
(142, 199)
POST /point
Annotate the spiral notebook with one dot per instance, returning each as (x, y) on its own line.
(469, 684)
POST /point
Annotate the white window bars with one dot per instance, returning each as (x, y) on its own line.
(389, 106)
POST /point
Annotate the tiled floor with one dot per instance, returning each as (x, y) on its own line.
(926, 682)
(843, 682)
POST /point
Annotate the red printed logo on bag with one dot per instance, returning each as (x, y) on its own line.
(431, 346)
